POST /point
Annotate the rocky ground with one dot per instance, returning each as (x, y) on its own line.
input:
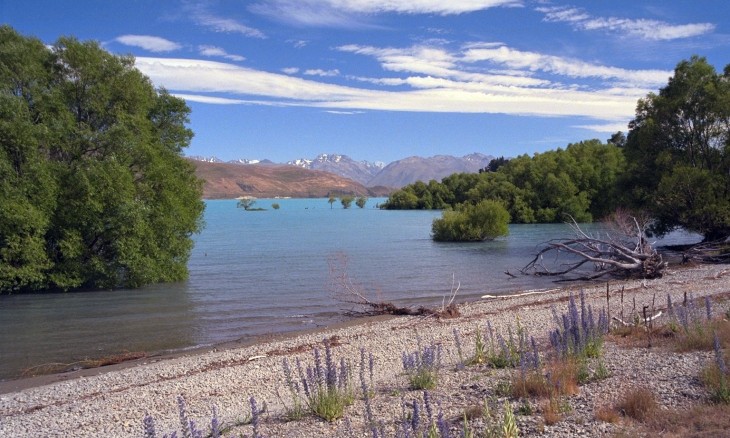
(114, 403)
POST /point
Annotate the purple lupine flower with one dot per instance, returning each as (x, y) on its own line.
(443, 425)
(288, 375)
(457, 341)
(148, 423)
(670, 307)
(415, 419)
(344, 374)
(427, 405)
(490, 333)
(184, 421)
(330, 367)
(719, 359)
(371, 367)
(535, 354)
(319, 373)
(583, 313)
(215, 426)
(194, 431)
(255, 412)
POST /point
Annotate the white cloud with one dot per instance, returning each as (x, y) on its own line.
(342, 13)
(323, 73)
(610, 128)
(219, 52)
(532, 61)
(347, 113)
(290, 70)
(643, 28)
(148, 42)
(203, 17)
(197, 77)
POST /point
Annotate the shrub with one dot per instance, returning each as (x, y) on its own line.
(328, 388)
(716, 377)
(422, 367)
(638, 404)
(472, 223)
(578, 334)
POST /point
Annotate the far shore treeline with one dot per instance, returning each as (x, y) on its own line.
(95, 191)
(673, 167)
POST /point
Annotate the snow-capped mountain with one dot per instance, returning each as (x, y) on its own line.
(396, 174)
(360, 171)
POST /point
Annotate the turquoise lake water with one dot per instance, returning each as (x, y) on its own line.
(266, 272)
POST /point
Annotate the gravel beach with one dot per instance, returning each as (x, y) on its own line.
(113, 402)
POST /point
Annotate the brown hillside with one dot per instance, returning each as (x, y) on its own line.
(226, 181)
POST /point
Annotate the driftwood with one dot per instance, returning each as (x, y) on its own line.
(625, 252)
(345, 291)
(707, 252)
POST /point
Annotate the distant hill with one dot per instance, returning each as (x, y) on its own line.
(395, 175)
(228, 180)
(409, 170)
(360, 171)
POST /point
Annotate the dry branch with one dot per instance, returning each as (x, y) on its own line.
(345, 291)
(624, 252)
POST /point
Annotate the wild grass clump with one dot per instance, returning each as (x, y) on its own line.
(578, 333)
(694, 325)
(328, 388)
(638, 403)
(493, 349)
(716, 376)
(422, 367)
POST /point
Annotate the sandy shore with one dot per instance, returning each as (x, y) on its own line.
(113, 401)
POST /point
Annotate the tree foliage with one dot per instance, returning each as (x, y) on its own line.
(94, 191)
(678, 150)
(361, 201)
(472, 223)
(578, 182)
(346, 201)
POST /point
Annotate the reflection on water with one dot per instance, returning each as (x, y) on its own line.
(66, 328)
(254, 273)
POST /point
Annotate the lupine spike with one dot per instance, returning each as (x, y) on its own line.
(149, 426)
(215, 427)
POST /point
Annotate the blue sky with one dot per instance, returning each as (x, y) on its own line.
(380, 80)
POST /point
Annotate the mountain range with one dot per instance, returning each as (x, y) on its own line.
(394, 175)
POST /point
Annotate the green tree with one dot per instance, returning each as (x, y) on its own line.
(331, 200)
(94, 191)
(246, 203)
(472, 223)
(275, 206)
(361, 201)
(346, 201)
(678, 149)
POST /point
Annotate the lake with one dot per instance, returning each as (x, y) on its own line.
(255, 273)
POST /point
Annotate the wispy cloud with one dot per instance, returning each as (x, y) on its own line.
(200, 14)
(214, 51)
(199, 78)
(323, 73)
(339, 13)
(148, 42)
(290, 70)
(642, 28)
(532, 62)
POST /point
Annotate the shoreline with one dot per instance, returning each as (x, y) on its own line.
(113, 400)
